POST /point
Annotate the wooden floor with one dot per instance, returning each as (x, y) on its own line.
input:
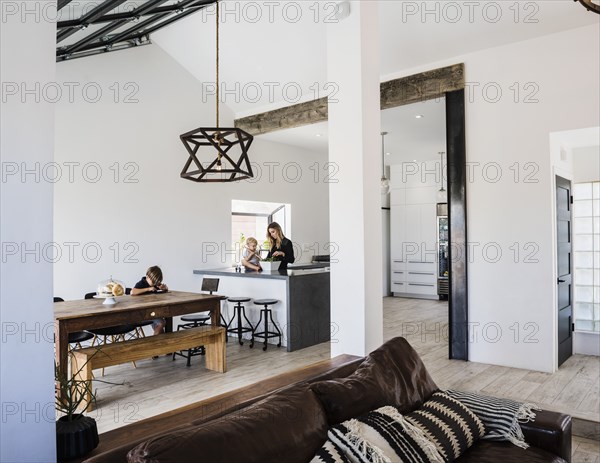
(126, 394)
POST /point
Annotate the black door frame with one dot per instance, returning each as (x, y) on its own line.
(458, 297)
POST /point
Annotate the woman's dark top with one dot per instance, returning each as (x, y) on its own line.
(288, 249)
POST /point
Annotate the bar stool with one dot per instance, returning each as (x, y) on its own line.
(240, 312)
(266, 334)
(198, 319)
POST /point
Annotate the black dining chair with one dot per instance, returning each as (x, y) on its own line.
(103, 336)
(76, 337)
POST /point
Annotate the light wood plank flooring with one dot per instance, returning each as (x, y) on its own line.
(126, 394)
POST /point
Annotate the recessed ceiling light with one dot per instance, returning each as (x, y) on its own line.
(419, 116)
(318, 135)
(387, 154)
(414, 160)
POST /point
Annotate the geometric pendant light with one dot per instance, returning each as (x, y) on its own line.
(217, 154)
(591, 5)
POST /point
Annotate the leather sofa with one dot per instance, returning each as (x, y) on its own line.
(290, 424)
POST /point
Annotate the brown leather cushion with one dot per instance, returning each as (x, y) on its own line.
(505, 452)
(391, 375)
(288, 426)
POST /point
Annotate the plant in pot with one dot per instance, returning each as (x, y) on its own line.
(270, 264)
(76, 434)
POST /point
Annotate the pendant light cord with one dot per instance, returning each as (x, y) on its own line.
(217, 63)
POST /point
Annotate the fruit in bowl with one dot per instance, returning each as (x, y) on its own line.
(111, 288)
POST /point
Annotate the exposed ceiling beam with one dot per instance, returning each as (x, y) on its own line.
(90, 38)
(191, 10)
(132, 32)
(110, 27)
(100, 41)
(89, 18)
(62, 3)
(398, 92)
(147, 9)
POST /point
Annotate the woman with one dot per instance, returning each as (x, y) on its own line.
(281, 248)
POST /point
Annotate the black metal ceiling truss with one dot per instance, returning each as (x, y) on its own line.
(147, 18)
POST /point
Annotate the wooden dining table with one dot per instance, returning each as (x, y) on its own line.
(86, 314)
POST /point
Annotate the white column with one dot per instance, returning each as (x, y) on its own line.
(27, 55)
(355, 201)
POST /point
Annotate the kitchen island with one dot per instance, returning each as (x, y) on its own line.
(303, 292)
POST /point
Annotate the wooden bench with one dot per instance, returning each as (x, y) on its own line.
(90, 358)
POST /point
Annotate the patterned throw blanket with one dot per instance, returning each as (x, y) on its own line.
(501, 417)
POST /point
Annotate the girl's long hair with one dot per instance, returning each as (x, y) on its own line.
(275, 243)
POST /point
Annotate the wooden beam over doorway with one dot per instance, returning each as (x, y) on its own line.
(398, 92)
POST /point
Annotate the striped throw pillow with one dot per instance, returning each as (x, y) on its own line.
(501, 417)
(329, 453)
(439, 432)
(448, 424)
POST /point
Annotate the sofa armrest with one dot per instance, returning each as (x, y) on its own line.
(550, 431)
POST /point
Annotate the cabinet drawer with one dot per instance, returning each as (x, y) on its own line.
(398, 287)
(421, 277)
(398, 264)
(420, 288)
(418, 266)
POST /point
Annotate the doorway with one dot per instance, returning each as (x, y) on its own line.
(564, 282)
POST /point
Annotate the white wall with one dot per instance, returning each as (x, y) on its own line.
(162, 219)
(586, 164)
(26, 138)
(511, 304)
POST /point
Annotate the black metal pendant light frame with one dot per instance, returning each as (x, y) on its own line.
(222, 145)
(222, 168)
(590, 5)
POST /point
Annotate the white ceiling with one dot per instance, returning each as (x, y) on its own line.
(275, 45)
(282, 44)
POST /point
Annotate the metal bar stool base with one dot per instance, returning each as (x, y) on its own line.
(194, 351)
(266, 334)
(240, 312)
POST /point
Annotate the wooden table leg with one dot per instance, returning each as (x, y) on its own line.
(215, 313)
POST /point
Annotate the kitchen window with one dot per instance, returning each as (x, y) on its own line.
(251, 218)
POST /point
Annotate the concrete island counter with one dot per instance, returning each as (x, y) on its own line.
(303, 292)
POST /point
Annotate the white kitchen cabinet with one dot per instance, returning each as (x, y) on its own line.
(413, 231)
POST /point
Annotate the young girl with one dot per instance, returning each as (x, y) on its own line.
(151, 283)
(250, 258)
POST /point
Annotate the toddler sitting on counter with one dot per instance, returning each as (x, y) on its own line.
(250, 257)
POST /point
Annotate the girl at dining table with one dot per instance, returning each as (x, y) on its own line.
(152, 283)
